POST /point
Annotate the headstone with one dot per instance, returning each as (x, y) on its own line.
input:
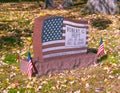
(60, 44)
(58, 36)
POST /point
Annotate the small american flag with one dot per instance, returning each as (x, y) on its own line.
(101, 51)
(30, 65)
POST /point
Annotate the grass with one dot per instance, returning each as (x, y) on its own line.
(16, 29)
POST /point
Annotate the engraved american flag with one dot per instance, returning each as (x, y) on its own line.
(54, 37)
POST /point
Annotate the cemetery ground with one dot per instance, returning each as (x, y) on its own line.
(16, 29)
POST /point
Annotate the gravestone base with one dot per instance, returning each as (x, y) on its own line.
(58, 65)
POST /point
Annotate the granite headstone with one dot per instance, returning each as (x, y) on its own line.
(60, 44)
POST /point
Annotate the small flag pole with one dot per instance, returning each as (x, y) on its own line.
(30, 65)
(101, 51)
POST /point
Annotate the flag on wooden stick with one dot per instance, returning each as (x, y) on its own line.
(30, 65)
(101, 51)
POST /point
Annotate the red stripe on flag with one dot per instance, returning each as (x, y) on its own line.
(30, 68)
(63, 50)
(101, 50)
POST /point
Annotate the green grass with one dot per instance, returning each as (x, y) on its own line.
(10, 58)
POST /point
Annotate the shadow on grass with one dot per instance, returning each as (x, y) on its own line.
(100, 23)
(14, 40)
(102, 58)
(92, 50)
(8, 42)
(82, 2)
(4, 27)
(19, 6)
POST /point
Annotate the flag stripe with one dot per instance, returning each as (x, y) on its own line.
(74, 24)
(53, 45)
(101, 49)
(57, 43)
(85, 27)
(53, 42)
(65, 53)
(30, 65)
(101, 53)
(63, 50)
(58, 46)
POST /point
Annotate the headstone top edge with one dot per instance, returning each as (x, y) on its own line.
(80, 20)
